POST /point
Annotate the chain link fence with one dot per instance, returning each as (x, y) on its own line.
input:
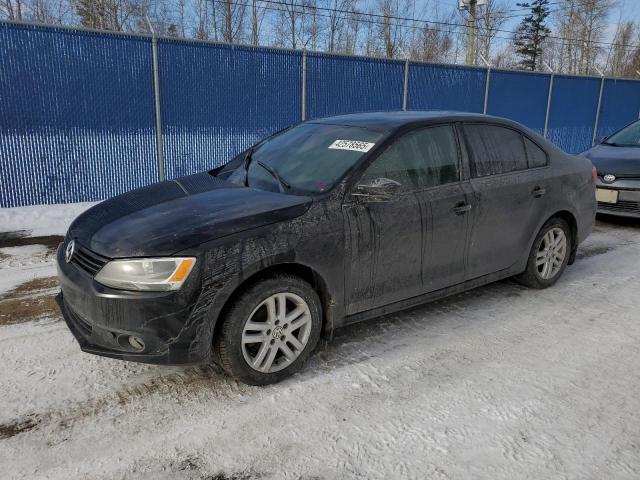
(86, 115)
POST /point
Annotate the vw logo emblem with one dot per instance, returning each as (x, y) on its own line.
(609, 178)
(277, 332)
(68, 252)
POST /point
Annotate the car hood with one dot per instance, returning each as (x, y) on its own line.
(619, 161)
(170, 216)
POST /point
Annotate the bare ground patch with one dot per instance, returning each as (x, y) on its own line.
(20, 238)
(30, 300)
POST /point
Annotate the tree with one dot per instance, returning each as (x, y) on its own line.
(393, 31)
(431, 45)
(257, 17)
(531, 33)
(623, 55)
(11, 9)
(593, 21)
(619, 55)
(117, 15)
(491, 18)
(348, 36)
(232, 15)
(580, 27)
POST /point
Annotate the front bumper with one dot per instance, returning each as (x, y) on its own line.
(628, 202)
(102, 319)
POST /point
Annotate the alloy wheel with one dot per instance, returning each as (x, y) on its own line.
(551, 253)
(276, 332)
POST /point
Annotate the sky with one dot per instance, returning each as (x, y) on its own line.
(628, 10)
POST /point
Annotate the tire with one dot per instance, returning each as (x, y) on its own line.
(546, 265)
(254, 327)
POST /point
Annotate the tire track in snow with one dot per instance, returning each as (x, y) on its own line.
(203, 381)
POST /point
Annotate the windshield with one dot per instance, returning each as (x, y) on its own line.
(307, 159)
(627, 137)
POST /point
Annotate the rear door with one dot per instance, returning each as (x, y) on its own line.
(413, 243)
(509, 189)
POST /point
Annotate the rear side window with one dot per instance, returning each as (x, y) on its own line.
(536, 156)
(420, 159)
(495, 150)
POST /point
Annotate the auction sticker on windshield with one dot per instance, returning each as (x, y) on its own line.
(355, 145)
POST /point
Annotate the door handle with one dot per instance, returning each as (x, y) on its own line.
(538, 192)
(461, 208)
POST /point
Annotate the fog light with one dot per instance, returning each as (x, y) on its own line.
(136, 343)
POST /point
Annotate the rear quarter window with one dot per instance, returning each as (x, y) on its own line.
(535, 155)
(495, 150)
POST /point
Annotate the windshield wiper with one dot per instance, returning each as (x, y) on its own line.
(248, 158)
(247, 161)
(281, 183)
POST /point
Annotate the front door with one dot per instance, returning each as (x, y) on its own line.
(384, 250)
(413, 242)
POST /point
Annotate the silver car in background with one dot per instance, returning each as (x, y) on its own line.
(617, 160)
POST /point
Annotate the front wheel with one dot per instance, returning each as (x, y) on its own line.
(270, 330)
(549, 255)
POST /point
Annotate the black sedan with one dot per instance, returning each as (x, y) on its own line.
(329, 222)
(617, 159)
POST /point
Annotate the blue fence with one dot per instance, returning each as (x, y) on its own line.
(445, 87)
(519, 96)
(218, 101)
(338, 84)
(78, 116)
(620, 105)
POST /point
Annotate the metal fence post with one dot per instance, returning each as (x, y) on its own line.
(549, 95)
(405, 89)
(156, 94)
(597, 120)
(486, 85)
(486, 91)
(304, 86)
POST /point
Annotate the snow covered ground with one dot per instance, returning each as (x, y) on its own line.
(499, 383)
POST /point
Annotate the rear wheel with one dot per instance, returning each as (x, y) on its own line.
(549, 255)
(270, 330)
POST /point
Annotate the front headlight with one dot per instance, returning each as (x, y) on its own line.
(149, 274)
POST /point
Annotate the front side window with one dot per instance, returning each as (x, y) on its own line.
(495, 150)
(627, 137)
(309, 158)
(419, 159)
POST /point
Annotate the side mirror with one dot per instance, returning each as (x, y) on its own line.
(377, 190)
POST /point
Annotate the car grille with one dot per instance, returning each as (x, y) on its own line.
(87, 260)
(621, 206)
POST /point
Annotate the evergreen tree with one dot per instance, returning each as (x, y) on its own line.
(531, 33)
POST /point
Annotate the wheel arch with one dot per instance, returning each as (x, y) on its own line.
(301, 270)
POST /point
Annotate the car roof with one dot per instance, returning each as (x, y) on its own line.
(395, 119)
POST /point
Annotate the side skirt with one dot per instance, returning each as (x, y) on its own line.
(430, 297)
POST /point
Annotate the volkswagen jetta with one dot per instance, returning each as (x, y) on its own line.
(329, 222)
